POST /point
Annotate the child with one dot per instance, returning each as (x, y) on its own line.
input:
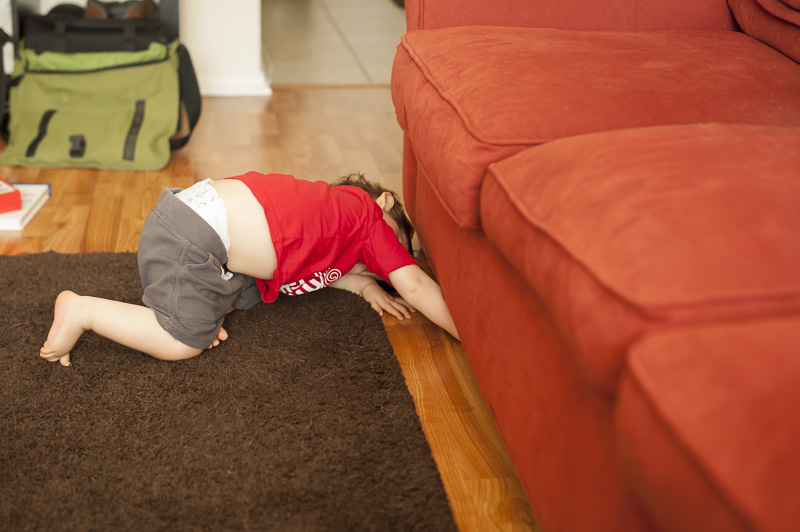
(227, 244)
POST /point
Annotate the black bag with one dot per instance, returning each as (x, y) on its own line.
(73, 35)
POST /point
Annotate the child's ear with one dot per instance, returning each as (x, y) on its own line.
(385, 201)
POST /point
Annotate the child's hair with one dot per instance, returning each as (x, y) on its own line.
(375, 191)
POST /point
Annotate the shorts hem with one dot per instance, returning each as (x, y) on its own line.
(168, 324)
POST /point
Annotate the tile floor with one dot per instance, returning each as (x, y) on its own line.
(330, 42)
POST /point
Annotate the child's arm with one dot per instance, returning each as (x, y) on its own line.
(424, 294)
(369, 289)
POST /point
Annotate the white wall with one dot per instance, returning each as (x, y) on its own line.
(224, 39)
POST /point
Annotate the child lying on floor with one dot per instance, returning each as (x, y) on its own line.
(229, 244)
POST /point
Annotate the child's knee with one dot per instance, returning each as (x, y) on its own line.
(179, 351)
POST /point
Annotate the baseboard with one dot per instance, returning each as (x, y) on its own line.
(254, 85)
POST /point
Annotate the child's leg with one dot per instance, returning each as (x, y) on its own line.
(133, 326)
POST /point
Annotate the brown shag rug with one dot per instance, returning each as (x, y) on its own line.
(300, 421)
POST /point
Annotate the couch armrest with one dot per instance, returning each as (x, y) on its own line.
(629, 15)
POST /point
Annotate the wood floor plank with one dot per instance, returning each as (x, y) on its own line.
(312, 133)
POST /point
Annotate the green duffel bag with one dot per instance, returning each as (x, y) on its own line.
(116, 110)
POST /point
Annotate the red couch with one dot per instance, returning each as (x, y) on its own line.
(609, 194)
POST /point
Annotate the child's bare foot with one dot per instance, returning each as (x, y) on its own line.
(222, 335)
(66, 329)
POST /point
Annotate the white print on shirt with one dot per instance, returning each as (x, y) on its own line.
(315, 282)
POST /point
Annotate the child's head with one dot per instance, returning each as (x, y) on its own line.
(388, 200)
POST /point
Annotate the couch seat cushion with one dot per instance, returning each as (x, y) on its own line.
(471, 96)
(708, 427)
(630, 230)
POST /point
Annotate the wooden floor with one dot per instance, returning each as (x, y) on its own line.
(312, 133)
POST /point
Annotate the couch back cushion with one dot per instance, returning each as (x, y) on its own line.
(774, 22)
(633, 15)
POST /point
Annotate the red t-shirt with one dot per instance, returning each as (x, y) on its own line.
(320, 232)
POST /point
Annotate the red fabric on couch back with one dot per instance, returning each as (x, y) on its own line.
(774, 22)
(634, 15)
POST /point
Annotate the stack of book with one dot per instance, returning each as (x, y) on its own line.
(20, 202)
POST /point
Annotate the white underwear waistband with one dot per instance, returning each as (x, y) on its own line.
(203, 199)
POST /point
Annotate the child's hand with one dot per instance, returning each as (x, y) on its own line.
(381, 300)
(360, 281)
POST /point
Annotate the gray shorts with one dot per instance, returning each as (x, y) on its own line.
(181, 264)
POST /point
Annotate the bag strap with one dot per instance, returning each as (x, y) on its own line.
(4, 38)
(64, 34)
(62, 24)
(190, 98)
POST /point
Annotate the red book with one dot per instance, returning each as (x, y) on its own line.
(10, 199)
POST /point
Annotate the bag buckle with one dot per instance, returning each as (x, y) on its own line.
(78, 146)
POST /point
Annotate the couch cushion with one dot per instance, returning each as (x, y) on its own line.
(708, 426)
(630, 230)
(775, 22)
(471, 96)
